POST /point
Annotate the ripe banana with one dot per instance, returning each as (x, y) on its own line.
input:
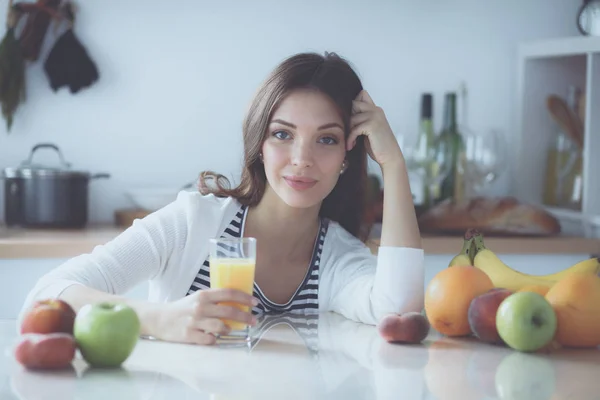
(465, 257)
(591, 266)
(502, 275)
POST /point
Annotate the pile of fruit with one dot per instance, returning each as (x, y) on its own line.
(480, 295)
(51, 333)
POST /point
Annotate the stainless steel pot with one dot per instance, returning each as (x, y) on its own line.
(41, 196)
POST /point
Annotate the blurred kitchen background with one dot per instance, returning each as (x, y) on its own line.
(175, 79)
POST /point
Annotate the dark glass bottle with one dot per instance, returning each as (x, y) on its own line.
(425, 144)
(452, 143)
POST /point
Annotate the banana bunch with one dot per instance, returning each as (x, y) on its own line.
(476, 254)
(465, 257)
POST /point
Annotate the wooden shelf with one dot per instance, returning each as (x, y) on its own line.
(546, 68)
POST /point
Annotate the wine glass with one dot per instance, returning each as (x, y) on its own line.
(432, 162)
(484, 160)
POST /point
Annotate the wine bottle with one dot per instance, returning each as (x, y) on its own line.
(425, 146)
(452, 186)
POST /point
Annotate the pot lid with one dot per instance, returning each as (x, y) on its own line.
(28, 168)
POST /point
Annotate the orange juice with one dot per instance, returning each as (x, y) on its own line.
(233, 273)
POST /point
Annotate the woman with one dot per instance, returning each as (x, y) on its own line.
(306, 138)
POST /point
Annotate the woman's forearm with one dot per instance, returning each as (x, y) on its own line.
(78, 296)
(399, 227)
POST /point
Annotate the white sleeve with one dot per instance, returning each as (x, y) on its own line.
(136, 255)
(364, 287)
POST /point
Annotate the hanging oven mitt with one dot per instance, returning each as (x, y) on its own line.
(68, 63)
(12, 70)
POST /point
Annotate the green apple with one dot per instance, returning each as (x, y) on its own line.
(526, 321)
(106, 333)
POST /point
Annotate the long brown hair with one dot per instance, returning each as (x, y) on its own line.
(329, 74)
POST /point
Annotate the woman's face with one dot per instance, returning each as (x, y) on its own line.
(304, 148)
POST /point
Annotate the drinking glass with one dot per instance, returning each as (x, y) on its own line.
(485, 159)
(432, 163)
(232, 266)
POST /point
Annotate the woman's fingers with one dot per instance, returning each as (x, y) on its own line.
(357, 119)
(365, 97)
(359, 106)
(226, 295)
(212, 325)
(228, 312)
(210, 305)
(199, 337)
(358, 122)
(357, 130)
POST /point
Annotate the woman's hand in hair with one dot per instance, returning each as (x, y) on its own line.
(369, 120)
(198, 318)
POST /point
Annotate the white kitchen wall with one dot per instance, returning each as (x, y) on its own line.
(176, 77)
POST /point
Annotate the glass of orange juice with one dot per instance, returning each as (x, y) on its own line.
(232, 265)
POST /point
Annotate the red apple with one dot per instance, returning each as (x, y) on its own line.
(49, 316)
(46, 351)
(482, 315)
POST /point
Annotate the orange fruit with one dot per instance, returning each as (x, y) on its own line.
(576, 301)
(449, 295)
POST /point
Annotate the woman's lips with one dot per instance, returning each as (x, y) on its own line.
(300, 183)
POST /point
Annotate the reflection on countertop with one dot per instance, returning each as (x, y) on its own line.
(322, 356)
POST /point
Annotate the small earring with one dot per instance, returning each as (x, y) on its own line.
(261, 157)
(343, 167)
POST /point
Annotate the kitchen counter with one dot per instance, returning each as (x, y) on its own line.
(512, 245)
(16, 243)
(41, 243)
(313, 357)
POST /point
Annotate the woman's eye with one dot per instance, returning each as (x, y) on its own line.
(329, 140)
(281, 134)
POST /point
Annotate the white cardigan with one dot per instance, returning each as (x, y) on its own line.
(168, 247)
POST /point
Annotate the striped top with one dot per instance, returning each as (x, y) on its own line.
(306, 297)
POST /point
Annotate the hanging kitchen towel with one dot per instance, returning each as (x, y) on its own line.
(12, 70)
(68, 63)
(32, 36)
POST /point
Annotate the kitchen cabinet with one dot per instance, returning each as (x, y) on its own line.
(551, 67)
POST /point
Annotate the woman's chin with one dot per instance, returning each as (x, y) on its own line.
(301, 200)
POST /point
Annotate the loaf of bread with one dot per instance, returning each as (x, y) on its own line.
(492, 216)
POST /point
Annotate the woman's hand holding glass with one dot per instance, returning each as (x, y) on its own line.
(198, 318)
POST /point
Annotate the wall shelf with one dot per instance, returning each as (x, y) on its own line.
(546, 68)
(577, 45)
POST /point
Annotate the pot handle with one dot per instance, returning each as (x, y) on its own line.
(47, 146)
(100, 176)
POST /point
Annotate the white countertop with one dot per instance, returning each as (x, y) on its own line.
(323, 357)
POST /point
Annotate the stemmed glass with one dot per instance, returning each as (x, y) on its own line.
(432, 163)
(484, 160)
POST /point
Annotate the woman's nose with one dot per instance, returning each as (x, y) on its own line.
(302, 154)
